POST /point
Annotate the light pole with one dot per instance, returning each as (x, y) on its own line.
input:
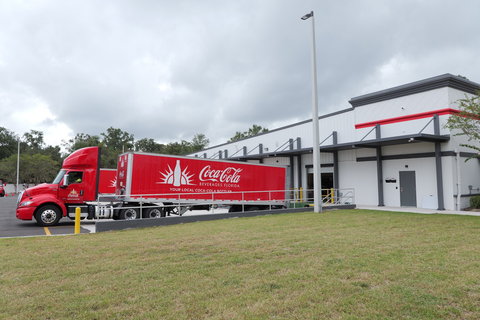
(317, 188)
(18, 163)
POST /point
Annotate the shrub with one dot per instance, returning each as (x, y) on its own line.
(475, 202)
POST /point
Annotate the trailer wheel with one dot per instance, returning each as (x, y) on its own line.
(154, 213)
(129, 214)
(48, 216)
(235, 208)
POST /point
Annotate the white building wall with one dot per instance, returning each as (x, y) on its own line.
(277, 161)
(436, 99)
(362, 175)
(278, 140)
(449, 184)
(469, 173)
(425, 179)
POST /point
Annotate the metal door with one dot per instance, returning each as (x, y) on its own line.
(408, 190)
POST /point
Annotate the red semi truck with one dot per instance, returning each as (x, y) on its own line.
(151, 186)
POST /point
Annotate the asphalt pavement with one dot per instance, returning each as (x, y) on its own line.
(10, 226)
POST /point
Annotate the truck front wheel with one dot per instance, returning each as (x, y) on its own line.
(48, 216)
(129, 214)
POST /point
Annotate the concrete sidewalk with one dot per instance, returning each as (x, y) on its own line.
(419, 210)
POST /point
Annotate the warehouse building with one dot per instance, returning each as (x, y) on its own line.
(390, 146)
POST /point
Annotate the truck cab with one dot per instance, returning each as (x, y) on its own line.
(74, 185)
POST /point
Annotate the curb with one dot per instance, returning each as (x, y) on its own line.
(104, 226)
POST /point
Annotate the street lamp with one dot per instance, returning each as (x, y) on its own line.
(18, 163)
(317, 188)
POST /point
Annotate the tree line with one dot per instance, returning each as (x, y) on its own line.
(40, 162)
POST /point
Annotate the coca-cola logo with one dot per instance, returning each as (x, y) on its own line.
(229, 175)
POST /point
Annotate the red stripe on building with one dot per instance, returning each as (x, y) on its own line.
(409, 117)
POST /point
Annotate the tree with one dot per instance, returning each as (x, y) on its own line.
(254, 130)
(8, 169)
(38, 162)
(81, 140)
(115, 141)
(467, 120)
(37, 168)
(8, 143)
(199, 142)
(176, 148)
(149, 145)
(54, 153)
(33, 142)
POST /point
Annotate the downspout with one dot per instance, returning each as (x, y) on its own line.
(459, 179)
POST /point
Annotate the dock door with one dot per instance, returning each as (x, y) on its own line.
(326, 181)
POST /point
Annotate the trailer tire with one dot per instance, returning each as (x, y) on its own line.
(48, 216)
(129, 214)
(154, 213)
(235, 208)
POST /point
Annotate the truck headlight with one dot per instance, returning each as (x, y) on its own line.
(25, 203)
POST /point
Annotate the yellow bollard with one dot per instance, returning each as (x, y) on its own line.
(77, 220)
(301, 194)
(331, 196)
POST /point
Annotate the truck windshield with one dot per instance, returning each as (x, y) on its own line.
(59, 176)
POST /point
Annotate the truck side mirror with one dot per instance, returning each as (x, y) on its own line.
(65, 181)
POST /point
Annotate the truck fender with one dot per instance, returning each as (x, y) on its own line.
(48, 199)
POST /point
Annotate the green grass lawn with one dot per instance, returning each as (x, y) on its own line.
(344, 264)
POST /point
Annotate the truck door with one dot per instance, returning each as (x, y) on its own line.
(73, 191)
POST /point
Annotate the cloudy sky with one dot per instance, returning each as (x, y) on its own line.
(167, 69)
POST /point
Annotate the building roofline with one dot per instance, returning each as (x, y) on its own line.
(444, 80)
(278, 129)
(441, 81)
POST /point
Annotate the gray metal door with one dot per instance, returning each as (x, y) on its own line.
(408, 190)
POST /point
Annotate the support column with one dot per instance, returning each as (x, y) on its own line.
(379, 168)
(299, 172)
(438, 163)
(299, 164)
(260, 151)
(292, 176)
(336, 183)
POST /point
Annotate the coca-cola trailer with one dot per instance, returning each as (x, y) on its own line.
(185, 183)
(151, 186)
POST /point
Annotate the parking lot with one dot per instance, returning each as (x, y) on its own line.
(10, 226)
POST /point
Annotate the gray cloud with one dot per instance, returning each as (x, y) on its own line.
(169, 69)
